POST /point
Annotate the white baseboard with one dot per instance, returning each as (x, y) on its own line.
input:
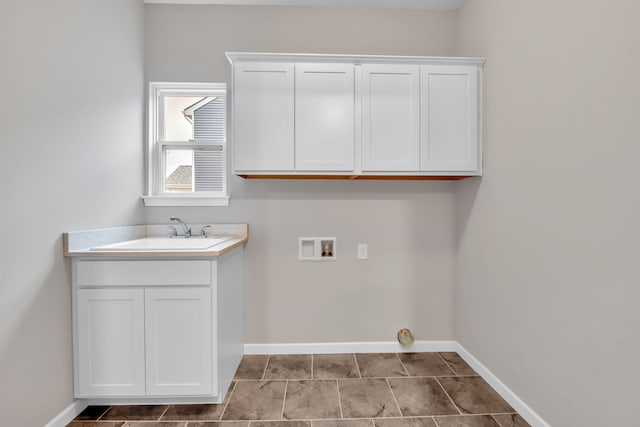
(348, 347)
(68, 414)
(507, 394)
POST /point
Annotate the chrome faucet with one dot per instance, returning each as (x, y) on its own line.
(203, 231)
(187, 230)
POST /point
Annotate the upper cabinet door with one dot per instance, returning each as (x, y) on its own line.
(449, 126)
(390, 117)
(324, 117)
(263, 117)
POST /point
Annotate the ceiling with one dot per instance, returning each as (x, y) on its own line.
(450, 5)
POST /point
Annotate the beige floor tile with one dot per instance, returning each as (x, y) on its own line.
(332, 366)
(425, 364)
(256, 400)
(472, 395)
(367, 398)
(311, 399)
(252, 367)
(511, 420)
(289, 367)
(134, 413)
(380, 365)
(421, 397)
(363, 422)
(209, 412)
(457, 363)
(405, 422)
(467, 421)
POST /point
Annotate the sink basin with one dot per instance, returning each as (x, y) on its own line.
(151, 244)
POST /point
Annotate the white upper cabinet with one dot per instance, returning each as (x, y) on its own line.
(449, 139)
(356, 116)
(390, 117)
(324, 117)
(263, 111)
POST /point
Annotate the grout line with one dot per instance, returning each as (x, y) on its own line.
(264, 372)
(447, 394)
(339, 399)
(496, 420)
(357, 365)
(312, 366)
(491, 415)
(226, 405)
(402, 364)
(284, 399)
(447, 363)
(364, 378)
(164, 412)
(103, 414)
(395, 399)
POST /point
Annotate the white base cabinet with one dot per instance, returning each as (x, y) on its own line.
(140, 335)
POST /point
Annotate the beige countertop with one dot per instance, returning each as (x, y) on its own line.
(80, 243)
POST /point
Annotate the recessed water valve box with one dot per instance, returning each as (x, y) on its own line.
(317, 248)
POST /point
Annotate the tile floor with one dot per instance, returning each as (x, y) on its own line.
(333, 390)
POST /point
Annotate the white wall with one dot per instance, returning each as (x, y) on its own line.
(409, 226)
(548, 241)
(71, 126)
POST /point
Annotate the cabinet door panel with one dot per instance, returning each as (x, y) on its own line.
(449, 127)
(390, 117)
(110, 342)
(324, 116)
(179, 341)
(263, 117)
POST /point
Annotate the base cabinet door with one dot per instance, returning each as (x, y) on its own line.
(110, 329)
(449, 138)
(178, 342)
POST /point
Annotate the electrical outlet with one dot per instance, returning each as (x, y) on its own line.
(363, 251)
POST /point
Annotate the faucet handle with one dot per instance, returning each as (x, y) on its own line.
(203, 230)
(172, 231)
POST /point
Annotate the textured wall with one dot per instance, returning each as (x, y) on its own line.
(409, 226)
(548, 241)
(71, 126)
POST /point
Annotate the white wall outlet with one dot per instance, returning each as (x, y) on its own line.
(363, 251)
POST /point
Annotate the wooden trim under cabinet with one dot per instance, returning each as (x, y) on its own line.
(365, 177)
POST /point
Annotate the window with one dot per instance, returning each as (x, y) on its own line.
(187, 158)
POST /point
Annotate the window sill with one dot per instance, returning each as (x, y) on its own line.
(191, 200)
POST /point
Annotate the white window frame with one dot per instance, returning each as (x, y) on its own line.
(156, 196)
